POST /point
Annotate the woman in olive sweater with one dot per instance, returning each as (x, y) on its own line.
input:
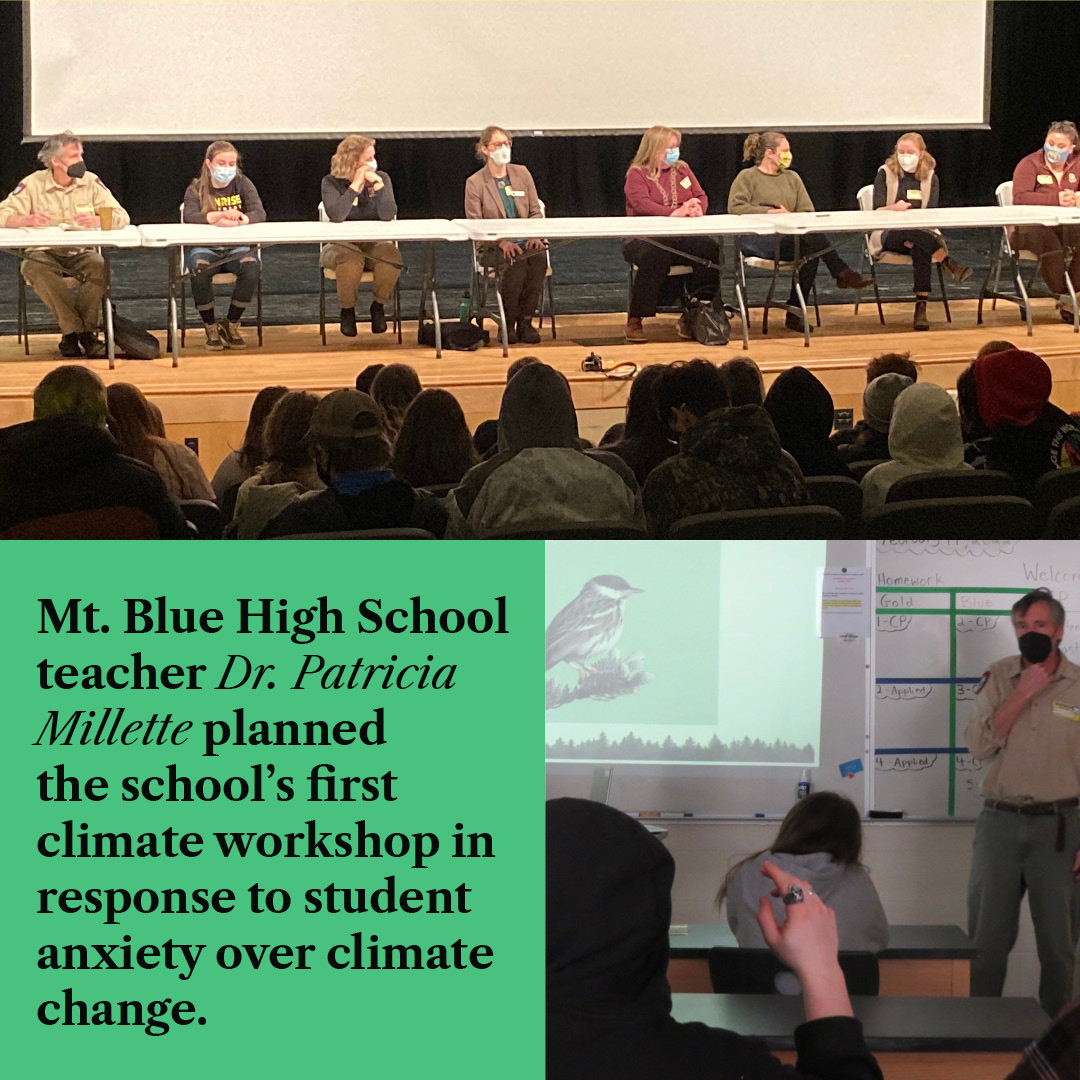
(769, 186)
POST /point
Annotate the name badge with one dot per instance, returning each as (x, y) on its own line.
(914, 195)
(1064, 711)
(684, 182)
(1044, 178)
(515, 194)
(1072, 178)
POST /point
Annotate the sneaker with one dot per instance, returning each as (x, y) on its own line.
(683, 329)
(347, 322)
(213, 337)
(793, 320)
(69, 346)
(920, 322)
(378, 319)
(92, 346)
(527, 334)
(635, 332)
(230, 333)
(852, 279)
(957, 271)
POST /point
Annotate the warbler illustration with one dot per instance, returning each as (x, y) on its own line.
(590, 625)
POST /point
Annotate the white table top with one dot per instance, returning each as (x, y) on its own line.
(299, 232)
(52, 237)
(941, 217)
(595, 228)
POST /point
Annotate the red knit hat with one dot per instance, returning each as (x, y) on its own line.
(1013, 387)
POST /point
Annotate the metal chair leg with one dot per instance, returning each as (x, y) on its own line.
(397, 310)
(322, 305)
(551, 307)
(805, 315)
(944, 294)
(877, 294)
(258, 308)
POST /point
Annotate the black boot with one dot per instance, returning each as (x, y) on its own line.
(920, 322)
(348, 321)
(378, 318)
(69, 346)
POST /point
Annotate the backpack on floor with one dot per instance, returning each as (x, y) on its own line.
(133, 341)
(457, 336)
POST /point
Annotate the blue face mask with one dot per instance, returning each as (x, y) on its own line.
(672, 156)
(223, 174)
(1055, 154)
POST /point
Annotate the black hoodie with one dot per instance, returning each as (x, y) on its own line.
(61, 465)
(608, 1002)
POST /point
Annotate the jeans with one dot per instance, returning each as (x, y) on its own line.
(653, 264)
(783, 248)
(923, 245)
(242, 262)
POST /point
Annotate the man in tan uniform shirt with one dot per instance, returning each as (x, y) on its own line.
(65, 193)
(1026, 727)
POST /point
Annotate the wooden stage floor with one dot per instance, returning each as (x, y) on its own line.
(209, 395)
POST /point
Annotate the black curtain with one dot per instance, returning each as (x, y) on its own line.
(1031, 84)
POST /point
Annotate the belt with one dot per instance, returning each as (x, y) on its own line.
(1039, 809)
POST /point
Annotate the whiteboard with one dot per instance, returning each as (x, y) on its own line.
(942, 617)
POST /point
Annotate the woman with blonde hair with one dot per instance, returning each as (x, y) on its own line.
(394, 389)
(659, 184)
(356, 189)
(908, 181)
(222, 195)
(503, 190)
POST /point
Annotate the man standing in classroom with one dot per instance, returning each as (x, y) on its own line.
(1026, 728)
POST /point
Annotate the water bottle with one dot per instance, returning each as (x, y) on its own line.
(802, 789)
(465, 309)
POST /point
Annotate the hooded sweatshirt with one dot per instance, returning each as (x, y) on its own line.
(801, 409)
(1030, 436)
(608, 1001)
(541, 476)
(924, 436)
(731, 459)
(848, 890)
(61, 465)
(871, 440)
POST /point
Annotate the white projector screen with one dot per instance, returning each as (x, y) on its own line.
(179, 69)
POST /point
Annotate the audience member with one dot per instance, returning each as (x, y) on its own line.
(366, 377)
(1029, 434)
(64, 192)
(801, 409)
(924, 436)
(393, 389)
(58, 468)
(820, 840)
(238, 465)
(521, 362)
(486, 437)
(1055, 1055)
(743, 379)
(608, 1002)
(612, 435)
(352, 456)
(993, 347)
(541, 476)
(872, 441)
(647, 440)
(288, 471)
(132, 425)
(882, 364)
(434, 447)
(728, 459)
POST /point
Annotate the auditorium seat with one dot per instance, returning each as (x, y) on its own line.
(953, 519)
(1054, 487)
(759, 971)
(777, 523)
(952, 484)
(103, 523)
(205, 516)
(860, 468)
(363, 534)
(1064, 523)
(599, 530)
(840, 492)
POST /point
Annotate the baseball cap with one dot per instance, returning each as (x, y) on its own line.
(346, 414)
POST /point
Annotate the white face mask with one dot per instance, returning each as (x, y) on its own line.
(908, 162)
(501, 156)
(373, 165)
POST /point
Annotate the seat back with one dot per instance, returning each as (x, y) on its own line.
(759, 971)
(952, 519)
(363, 534)
(776, 523)
(860, 468)
(101, 523)
(864, 197)
(1053, 488)
(1064, 523)
(1003, 193)
(598, 530)
(840, 492)
(205, 516)
(952, 484)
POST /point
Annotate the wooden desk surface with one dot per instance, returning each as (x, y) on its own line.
(919, 1024)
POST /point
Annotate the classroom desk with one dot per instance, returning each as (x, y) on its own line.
(267, 233)
(15, 241)
(912, 1038)
(920, 961)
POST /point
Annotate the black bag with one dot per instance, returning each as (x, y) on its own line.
(709, 321)
(133, 342)
(456, 335)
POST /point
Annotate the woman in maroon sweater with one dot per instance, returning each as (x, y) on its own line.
(658, 184)
(1051, 177)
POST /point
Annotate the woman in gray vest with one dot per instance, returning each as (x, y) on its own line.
(907, 181)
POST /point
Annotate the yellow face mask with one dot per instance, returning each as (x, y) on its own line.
(784, 160)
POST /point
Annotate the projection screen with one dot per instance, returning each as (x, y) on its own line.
(178, 69)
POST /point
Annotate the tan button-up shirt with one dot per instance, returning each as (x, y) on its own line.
(1040, 759)
(40, 193)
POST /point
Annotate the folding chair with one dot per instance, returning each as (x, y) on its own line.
(776, 266)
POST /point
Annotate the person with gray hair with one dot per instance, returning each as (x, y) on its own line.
(62, 476)
(1026, 731)
(65, 193)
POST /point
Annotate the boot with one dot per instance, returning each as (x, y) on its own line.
(214, 340)
(347, 321)
(852, 279)
(230, 332)
(92, 346)
(635, 332)
(378, 318)
(957, 271)
(684, 329)
(527, 334)
(69, 346)
(920, 322)
(793, 320)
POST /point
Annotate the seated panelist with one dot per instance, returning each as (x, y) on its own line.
(64, 193)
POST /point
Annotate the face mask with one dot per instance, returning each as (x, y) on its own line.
(76, 169)
(501, 156)
(223, 174)
(672, 156)
(1055, 154)
(1035, 647)
(784, 160)
(908, 162)
(373, 165)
